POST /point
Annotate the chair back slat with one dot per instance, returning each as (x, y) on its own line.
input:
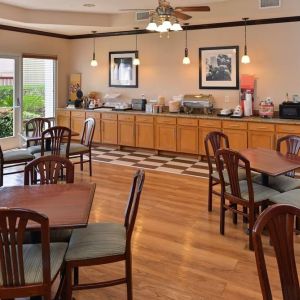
(214, 141)
(292, 143)
(47, 170)
(88, 132)
(133, 203)
(13, 223)
(36, 126)
(56, 136)
(280, 221)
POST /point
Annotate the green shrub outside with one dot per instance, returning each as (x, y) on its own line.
(6, 122)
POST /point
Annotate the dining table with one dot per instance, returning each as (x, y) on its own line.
(269, 162)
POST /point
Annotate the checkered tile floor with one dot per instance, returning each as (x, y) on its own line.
(164, 163)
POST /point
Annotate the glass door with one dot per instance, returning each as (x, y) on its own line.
(10, 110)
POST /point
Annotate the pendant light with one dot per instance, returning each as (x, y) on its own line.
(186, 60)
(94, 62)
(245, 57)
(136, 61)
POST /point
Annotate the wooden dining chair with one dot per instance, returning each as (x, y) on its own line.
(85, 146)
(47, 170)
(289, 144)
(12, 159)
(104, 243)
(279, 221)
(27, 269)
(250, 196)
(214, 141)
(34, 128)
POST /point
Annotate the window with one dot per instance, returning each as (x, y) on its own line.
(39, 87)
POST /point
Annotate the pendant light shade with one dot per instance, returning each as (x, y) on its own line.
(186, 60)
(94, 62)
(136, 60)
(245, 57)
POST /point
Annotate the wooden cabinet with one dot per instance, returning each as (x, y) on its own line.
(144, 132)
(205, 127)
(126, 130)
(109, 127)
(237, 134)
(97, 133)
(165, 134)
(261, 135)
(77, 122)
(187, 135)
(63, 118)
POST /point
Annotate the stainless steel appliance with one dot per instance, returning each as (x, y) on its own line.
(289, 110)
(138, 104)
(201, 102)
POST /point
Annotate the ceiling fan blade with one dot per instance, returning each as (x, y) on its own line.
(136, 9)
(181, 15)
(192, 8)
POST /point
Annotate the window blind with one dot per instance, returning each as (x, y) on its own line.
(39, 87)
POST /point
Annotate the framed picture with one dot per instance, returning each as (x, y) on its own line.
(219, 68)
(122, 71)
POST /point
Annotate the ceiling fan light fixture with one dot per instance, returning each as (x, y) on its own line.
(167, 24)
(152, 26)
(176, 26)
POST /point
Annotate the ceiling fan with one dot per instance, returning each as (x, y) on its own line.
(165, 9)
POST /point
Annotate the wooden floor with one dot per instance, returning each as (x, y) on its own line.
(178, 252)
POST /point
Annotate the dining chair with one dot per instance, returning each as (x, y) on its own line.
(250, 196)
(85, 146)
(47, 170)
(279, 221)
(27, 269)
(286, 182)
(34, 128)
(214, 141)
(13, 158)
(103, 243)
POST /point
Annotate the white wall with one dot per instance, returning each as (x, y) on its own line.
(274, 51)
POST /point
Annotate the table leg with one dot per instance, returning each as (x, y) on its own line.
(265, 179)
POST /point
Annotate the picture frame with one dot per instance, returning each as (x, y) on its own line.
(219, 68)
(122, 72)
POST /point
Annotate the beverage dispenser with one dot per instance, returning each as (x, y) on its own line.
(247, 94)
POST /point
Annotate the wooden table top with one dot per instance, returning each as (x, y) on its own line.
(66, 205)
(270, 162)
(27, 138)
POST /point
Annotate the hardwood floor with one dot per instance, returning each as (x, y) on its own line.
(178, 253)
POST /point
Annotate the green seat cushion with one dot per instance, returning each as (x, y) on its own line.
(77, 147)
(291, 197)
(17, 155)
(280, 183)
(260, 192)
(47, 153)
(34, 149)
(96, 241)
(241, 174)
(33, 266)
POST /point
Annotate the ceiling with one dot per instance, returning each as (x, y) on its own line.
(70, 17)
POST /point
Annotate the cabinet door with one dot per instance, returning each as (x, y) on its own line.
(237, 138)
(97, 133)
(187, 139)
(203, 132)
(165, 137)
(144, 135)
(63, 118)
(126, 134)
(109, 132)
(260, 139)
(77, 122)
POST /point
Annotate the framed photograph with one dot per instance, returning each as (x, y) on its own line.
(122, 71)
(219, 68)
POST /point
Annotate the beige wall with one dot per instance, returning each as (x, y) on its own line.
(274, 50)
(17, 43)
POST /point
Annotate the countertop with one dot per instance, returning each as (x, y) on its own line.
(194, 116)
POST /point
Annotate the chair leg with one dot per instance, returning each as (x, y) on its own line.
(81, 162)
(210, 194)
(222, 215)
(90, 162)
(1, 175)
(245, 211)
(234, 214)
(76, 276)
(68, 287)
(128, 266)
(251, 224)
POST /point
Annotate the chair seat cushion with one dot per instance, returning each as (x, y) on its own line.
(291, 197)
(47, 153)
(97, 241)
(33, 266)
(34, 149)
(77, 147)
(280, 183)
(260, 192)
(241, 174)
(12, 156)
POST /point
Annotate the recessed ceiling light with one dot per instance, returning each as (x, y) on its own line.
(89, 5)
